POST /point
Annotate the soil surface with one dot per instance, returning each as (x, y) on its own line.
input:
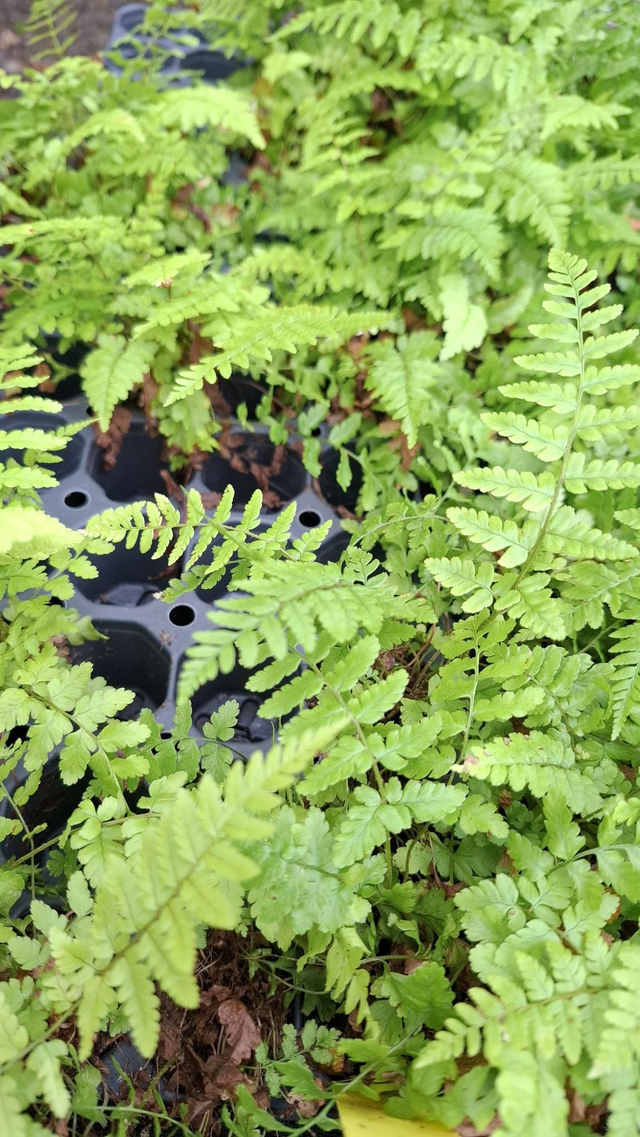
(91, 27)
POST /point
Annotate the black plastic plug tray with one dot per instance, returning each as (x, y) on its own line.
(181, 60)
(147, 637)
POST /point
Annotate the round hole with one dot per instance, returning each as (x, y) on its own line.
(310, 518)
(182, 615)
(75, 499)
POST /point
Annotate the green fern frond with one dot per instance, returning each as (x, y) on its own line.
(244, 342)
(532, 491)
(494, 534)
(185, 871)
(402, 378)
(112, 371)
(47, 23)
(625, 683)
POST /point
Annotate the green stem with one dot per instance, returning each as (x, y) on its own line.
(374, 763)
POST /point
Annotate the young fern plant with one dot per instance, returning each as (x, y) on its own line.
(48, 23)
(563, 438)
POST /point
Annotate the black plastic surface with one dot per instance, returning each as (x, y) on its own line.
(182, 59)
(147, 637)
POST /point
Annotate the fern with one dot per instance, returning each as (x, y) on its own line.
(402, 376)
(111, 372)
(451, 856)
(255, 340)
(193, 883)
(48, 22)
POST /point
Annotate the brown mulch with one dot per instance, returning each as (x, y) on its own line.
(203, 1055)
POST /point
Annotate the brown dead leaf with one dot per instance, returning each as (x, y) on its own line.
(306, 1107)
(222, 1077)
(399, 442)
(413, 322)
(148, 396)
(505, 862)
(577, 1107)
(242, 1033)
(468, 1129)
(616, 912)
(452, 889)
(200, 345)
(61, 645)
(595, 1115)
(356, 345)
(110, 440)
(8, 38)
(356, 1026)
(211, 499)
(214, 393)
(61, 1129)
(172, 488)
(411, 964)
(226, 212)
(182, 204)
(170, 1043)
(220, 1088)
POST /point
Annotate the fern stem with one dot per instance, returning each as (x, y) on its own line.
(472, 702)
(567, 453)
(31, 855)
(362, 738)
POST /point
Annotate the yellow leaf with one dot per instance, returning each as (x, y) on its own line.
(362, 1118)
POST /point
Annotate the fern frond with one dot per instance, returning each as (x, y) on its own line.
(625, 683)
(538, 761)
(47, 23)
(211, 106)
(368, 822)
(532, 491)
(112, 371)
(451, 237)
(598, 474)
(547, 442)
(402, 378)
(561, 398)
(346, 20)
(494, 534)
(535, 191)
(185, 871)
(465, 323)
(286, 329)
(464, 578)
(572, 533)
(289, 604)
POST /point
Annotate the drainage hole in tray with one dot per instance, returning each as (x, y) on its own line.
(75, 499)
(309, 518)
(182, 615)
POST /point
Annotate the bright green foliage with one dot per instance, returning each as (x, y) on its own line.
(458, 869)
(196, 878)
(110, 373)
